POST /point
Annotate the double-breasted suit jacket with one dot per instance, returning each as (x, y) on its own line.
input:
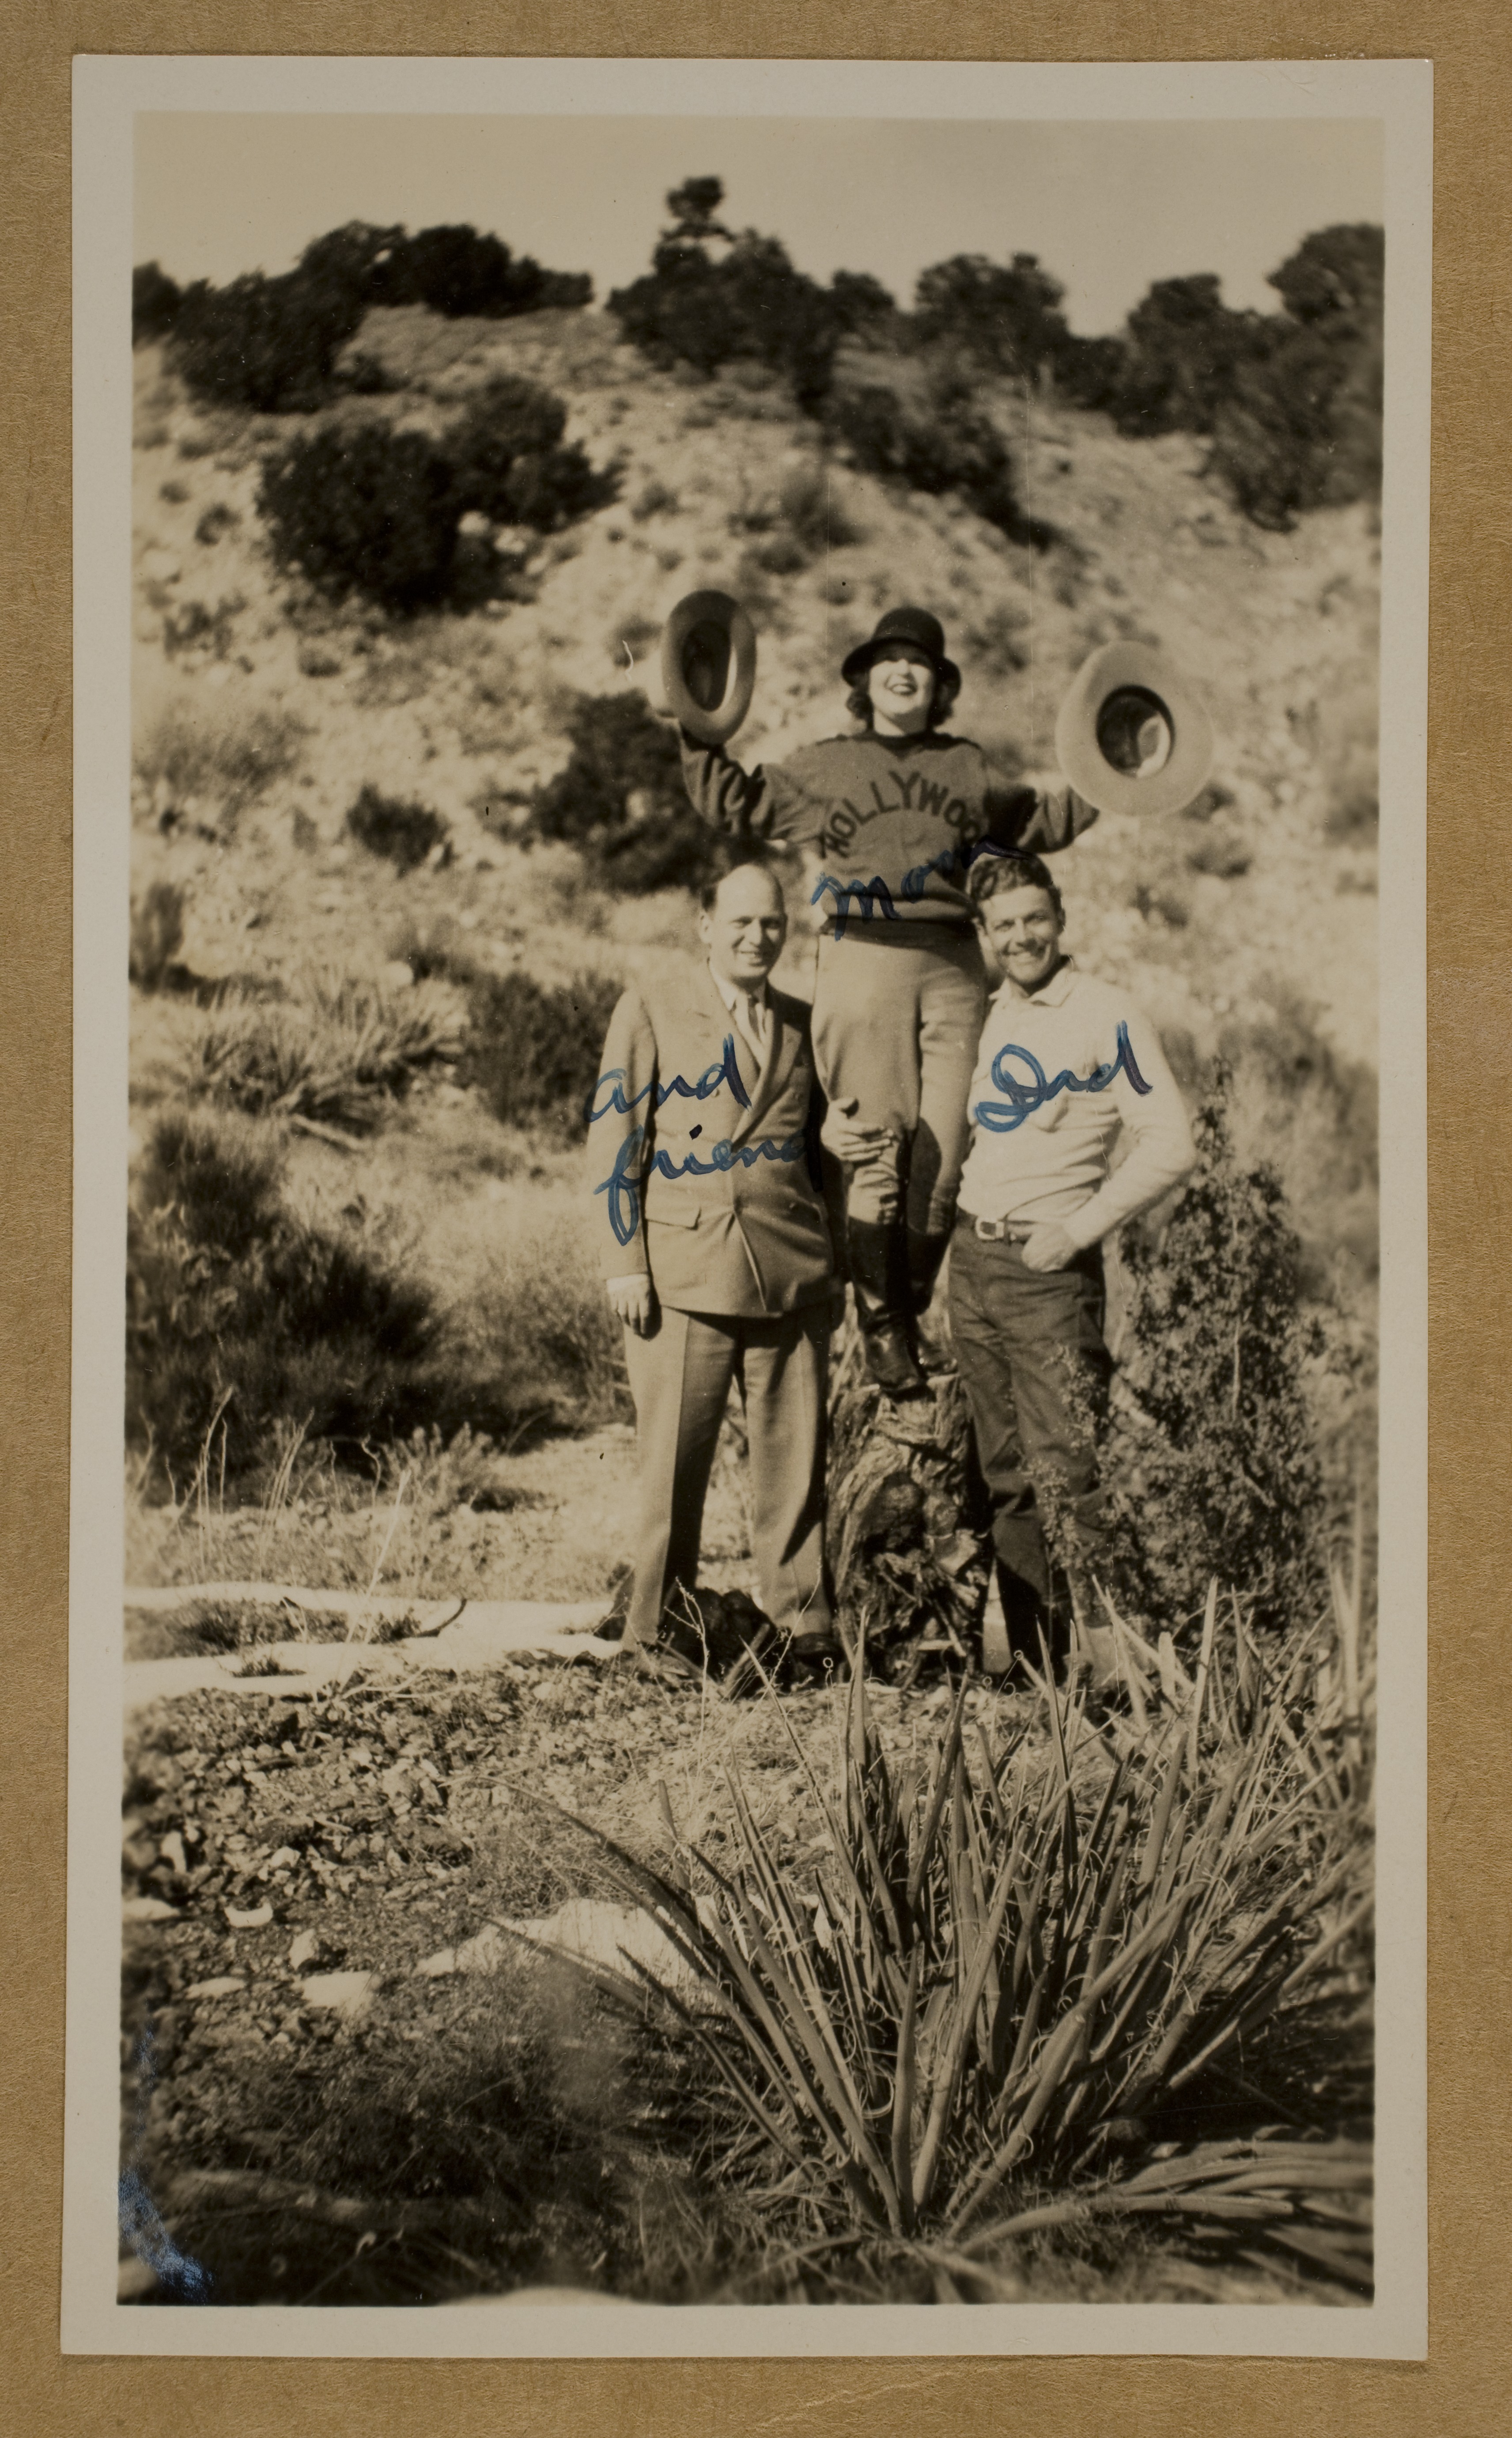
(704, 1165)
(703, 1172)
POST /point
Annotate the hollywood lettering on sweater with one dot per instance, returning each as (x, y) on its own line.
(898, 819)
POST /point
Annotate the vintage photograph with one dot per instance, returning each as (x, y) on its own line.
(752, 1232)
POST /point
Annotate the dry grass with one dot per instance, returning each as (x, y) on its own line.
(336, 1051)
(207, 762)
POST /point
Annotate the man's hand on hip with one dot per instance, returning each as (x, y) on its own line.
(634, 1301)
(1048, 1247)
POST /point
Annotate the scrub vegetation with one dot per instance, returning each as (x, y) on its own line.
(966, 1992)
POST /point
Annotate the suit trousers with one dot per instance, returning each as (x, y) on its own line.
(898, 1015)
(681, 1378)
(1035, 1368)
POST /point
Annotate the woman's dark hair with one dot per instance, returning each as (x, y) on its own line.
(858, 702)
(996, 868)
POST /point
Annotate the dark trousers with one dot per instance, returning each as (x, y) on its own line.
(681, 1378)
(1035, 1368)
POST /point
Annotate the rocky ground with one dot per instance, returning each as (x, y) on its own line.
(316, 1880)
(309, 1870)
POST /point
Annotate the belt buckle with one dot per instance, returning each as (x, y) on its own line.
(991, 1231)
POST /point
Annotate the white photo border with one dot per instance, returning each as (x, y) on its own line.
(108, 94)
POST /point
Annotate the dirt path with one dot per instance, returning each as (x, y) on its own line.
(476, 1639)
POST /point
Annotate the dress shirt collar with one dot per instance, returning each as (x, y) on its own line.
(735, 995)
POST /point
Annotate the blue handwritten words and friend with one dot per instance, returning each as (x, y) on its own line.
(1021, 1099)
(623, 1184)
(724, 1070)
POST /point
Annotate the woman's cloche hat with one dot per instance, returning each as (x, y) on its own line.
(905, 626)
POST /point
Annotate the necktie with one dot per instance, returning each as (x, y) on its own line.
(751, 1022)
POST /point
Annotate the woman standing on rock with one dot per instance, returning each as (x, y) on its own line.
(896, 814)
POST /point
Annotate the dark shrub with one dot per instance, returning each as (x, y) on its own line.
(948, 447)
(1336, 278)
(272, 344)
(1005, 316)
(239, 1309)
(533, 1053)
(1301, 429)
(509, 465)
(155, 301)
(1216, 1472)
(1292, 400)
(368, 510)
(268, 344)
(749, 303)
(622, 800)
(403, 832)
(456, 271)
(364, 510)
(1185, 346)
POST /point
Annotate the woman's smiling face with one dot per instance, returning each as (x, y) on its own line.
(901, 689)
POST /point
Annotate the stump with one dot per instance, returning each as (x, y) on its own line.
(907, 1537)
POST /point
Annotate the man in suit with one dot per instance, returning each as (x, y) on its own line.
(703, 1164)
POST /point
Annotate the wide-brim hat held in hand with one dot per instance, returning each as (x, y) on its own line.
(1132, 736)
(709, 664)
(906, 625)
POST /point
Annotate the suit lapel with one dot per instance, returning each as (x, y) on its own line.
(782, 1045)
(782, 1048)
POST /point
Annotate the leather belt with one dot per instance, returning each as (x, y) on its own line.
(1001, 1231)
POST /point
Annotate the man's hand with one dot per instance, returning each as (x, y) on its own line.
(634, 1301)
(1048, 1247)
(850, 1143)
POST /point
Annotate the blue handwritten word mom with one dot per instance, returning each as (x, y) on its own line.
(724, 1070)
(623, 1186)
(875, 896)
(1022, 1099)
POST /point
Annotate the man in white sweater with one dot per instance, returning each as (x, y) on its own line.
(1069, 1071)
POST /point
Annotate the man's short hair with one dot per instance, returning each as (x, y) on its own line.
(727, 859)
(996, 868)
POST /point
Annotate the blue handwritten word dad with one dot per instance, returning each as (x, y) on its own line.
(1022, 1099)
(622, 1187)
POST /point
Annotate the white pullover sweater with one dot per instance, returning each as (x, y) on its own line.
(1064, 1076)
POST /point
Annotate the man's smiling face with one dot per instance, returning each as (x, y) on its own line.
(901, 689)
(1024, 933)
(744, 928)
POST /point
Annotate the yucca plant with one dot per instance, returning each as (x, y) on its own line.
(1019, 1967)
(338, 1052)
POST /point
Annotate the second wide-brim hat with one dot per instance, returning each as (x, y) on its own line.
(1133, 735)
(709, 664)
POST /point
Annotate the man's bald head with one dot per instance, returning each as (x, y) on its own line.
(744, 924)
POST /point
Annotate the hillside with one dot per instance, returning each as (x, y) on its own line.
(466, 711)
(260, 713)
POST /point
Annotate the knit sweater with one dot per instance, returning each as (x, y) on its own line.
(893, 821)
(1065, 1076)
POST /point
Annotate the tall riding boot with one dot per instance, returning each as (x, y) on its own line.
(880, 1277)
(925, 1254)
